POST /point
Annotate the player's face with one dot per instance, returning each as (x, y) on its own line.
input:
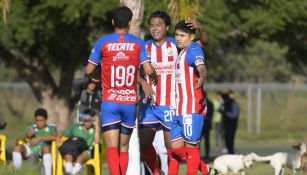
(88, 124)
(183, 39)
(40, 122)
(158, 29)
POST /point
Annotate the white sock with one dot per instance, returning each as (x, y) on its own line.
(76, 169)
(68, 167)
(47, 161)
(17, 159)
(164, 165)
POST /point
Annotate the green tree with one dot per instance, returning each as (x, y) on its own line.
(260, 61)
(43, 36)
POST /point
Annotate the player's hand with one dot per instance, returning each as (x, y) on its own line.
(58, 141)
(147, 89)
(193, 24)
(30, 132)
(199, 83)
(96, 121)
(154, 78)
(34, 141)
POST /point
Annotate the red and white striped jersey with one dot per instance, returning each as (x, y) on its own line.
(163, 60)
(189, 100)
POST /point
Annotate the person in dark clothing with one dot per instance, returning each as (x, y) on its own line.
(207, 127)
(230, 113)
(90, 98)
(80, 84)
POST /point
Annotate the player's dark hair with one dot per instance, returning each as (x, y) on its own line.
(161, 14)
(89, 112)
(41, 112)
(121, 17)
(184, 27)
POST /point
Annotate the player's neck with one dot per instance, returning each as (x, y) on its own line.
(160, 42)
(121, 31)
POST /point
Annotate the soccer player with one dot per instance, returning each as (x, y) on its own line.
(40, 136)
(157, 110)
(190, 72)
(120, 55)
(81, 138)
(158, 107)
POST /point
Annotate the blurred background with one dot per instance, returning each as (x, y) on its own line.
(256, 48)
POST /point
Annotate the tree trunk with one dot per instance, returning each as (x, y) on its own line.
(42, 84)
(57, 110)
(137, 7)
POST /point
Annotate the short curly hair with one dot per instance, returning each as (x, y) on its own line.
(41, 112)
(161, 14)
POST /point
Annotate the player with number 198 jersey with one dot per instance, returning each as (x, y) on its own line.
(120, 56)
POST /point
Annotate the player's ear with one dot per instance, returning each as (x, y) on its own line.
(167, 27)
(129, 24)
(192, 37)
(113, 22)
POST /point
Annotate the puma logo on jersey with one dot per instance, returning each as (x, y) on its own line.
(121, 46)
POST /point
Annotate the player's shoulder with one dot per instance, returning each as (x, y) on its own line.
(194, 48)
(171, 39)
(148, 42)
(107, 38)
(51, 125)
(133, 38)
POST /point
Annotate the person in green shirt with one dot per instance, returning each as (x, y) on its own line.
(217, 119)
(36, 140)
(81, 138)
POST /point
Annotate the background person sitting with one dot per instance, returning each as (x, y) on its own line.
(81, 138)
(40, 136)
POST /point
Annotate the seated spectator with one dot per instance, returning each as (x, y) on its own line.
(39, 136)
(81, 138)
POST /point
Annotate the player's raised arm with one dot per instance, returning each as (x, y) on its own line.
(202, 75)
(151, 72)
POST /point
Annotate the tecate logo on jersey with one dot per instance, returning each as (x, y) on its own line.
(121, 46)
(120, 56)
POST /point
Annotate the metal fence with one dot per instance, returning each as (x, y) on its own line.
(263, 106)
(268, 100)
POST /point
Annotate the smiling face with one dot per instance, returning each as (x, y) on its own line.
(183, 39)
(158, 29)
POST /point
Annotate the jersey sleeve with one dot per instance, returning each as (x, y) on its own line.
(144, 54)
(95, 56)
(195, 56)
(52, 129)
(68, 132)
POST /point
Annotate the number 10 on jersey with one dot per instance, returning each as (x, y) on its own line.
(122, 76)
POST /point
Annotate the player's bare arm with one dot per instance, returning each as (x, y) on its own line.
(202, 75)
(96, 124)
(151, 72)
(36, 140)
(147, 89)
(90, 67)
(203, 36)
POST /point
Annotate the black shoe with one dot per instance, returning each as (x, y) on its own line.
(212, 171)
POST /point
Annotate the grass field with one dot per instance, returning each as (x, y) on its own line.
(257, 169)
